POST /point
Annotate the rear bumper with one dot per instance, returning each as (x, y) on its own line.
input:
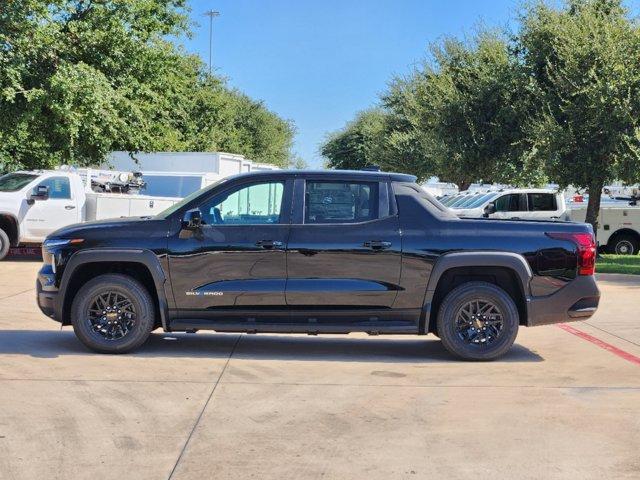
(46, 292)
(577, 300)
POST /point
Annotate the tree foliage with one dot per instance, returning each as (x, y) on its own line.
(80, 78)
(557, 101)
(586, 62)
(356, 145)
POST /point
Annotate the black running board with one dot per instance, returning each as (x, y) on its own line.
(374, 328)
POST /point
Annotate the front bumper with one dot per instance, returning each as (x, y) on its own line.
(577, 300)
(46, 292)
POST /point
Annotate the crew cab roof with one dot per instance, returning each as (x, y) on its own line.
(361, 174)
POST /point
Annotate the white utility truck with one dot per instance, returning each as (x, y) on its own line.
(34, 204)
(618, 225)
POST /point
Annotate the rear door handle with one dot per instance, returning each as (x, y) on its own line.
(269, 244)
(377, 245)
(69, 207)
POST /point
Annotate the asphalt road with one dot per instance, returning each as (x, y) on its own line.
(563, 404)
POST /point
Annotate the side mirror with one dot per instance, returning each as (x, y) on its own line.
(192, 219)
(489, 209)
(41, 192)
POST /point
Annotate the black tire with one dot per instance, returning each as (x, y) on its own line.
(141, 306)
(624, 245)
(496, 341)
(5, 243)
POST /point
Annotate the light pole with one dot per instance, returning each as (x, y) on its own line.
(211, 14)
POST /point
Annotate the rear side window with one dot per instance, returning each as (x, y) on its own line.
(510, 203)
(542, 202)
(59, 187)
(340, 202)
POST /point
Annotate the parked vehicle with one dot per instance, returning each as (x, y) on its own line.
(618, 225)
(317, 252)
(35, 203)
(515, 204)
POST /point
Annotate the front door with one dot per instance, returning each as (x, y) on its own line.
(46, 216)
(237, 259)
(511, 206)
(344, 248)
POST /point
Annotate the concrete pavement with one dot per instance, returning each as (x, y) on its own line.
(559, 406)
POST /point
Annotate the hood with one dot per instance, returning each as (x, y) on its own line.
(10, 202)
(109, 228)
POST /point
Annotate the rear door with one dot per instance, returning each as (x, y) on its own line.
(344, 248)
(543, 206)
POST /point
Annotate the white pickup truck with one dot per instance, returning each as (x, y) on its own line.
(516, 204)
(34, 204)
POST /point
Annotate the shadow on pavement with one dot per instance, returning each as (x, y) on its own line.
(52, 344)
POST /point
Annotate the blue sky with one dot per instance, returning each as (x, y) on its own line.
(317, 63)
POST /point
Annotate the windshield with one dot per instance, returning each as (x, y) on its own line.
(13, 182)
(177, 206)
(459, 201)
(476, 201)
(449, 199)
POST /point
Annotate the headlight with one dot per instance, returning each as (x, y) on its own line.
(50, 250)
(59, 242)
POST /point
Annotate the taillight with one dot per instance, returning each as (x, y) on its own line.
(586, 244)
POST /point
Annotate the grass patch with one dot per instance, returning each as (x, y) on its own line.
(619, 264)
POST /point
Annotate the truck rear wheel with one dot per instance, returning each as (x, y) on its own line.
(478, 321)
(624, 245)
(113, 313)
(5, 243)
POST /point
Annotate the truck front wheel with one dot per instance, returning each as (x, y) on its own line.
(113, 313)
(5, 243)
(478, 321)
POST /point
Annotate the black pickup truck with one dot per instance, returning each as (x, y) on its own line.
(317, 252)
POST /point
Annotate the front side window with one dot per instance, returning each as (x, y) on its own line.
(340, 202)
(13, 182)
(59, 187)
(510, 203)
(542, 202)
(255, 204)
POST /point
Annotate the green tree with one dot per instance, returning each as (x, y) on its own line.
(462, 114)
(80, 78)
(357, 145)
(585, 59)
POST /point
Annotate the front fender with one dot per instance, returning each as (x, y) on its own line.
(140, 256)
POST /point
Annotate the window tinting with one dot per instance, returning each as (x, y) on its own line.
(340, 202)
(542, 202)
(59, 187)
(510, 203)
(254, 204)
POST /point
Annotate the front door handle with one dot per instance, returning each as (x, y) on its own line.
(69, 207)
(269, 244)
(377, 245)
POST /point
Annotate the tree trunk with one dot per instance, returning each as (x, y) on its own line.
(464, 185)
(593, 207)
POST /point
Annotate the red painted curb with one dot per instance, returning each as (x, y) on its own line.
(600, 343)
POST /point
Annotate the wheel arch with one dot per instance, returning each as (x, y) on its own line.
(143, 265)
(9, 223)
(509, 271)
